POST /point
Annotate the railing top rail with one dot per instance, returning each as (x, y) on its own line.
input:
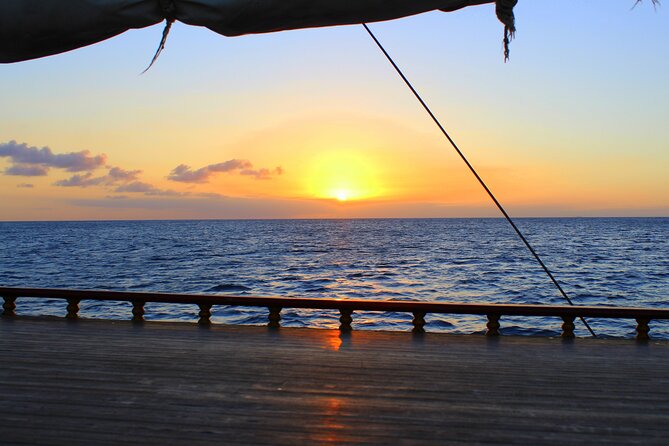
(344, 304)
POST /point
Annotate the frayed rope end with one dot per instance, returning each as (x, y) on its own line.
(509, 35)
(656, 3)
(161, 47)
(504, 11)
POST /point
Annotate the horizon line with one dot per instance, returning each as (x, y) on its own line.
(108, 220)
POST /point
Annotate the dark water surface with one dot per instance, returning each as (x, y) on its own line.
(602, 261)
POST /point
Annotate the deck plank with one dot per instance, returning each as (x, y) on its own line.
(103, 382)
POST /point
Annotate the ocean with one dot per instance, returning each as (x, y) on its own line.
(598, 261)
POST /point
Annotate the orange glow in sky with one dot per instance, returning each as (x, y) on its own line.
(316, 124)
(344, 175)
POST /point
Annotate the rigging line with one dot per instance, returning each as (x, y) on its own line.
(471, 168)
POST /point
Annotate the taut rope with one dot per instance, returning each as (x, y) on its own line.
(478, 177)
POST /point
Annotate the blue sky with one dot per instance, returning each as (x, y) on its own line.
(574, 124)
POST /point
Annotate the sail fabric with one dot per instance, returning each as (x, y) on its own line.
(36, 28)
(31, 29)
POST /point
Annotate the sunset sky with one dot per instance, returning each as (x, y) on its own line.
(314, 123)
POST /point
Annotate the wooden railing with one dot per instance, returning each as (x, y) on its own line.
(346, 308)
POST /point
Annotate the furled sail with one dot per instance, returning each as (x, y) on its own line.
(36, 28)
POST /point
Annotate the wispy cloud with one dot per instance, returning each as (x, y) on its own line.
(209, 195)
(25, 186)
(185, 174)
(23, 170)
(30, 161)
(121, 180)
(146, 189)
(118, 174)
(114, 176)
(84, 180)
(263, 174)
(24, 156)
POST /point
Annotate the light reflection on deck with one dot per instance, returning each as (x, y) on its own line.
(101, 382)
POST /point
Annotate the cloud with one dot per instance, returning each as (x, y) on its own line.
(44, 158)
(136, 186)
(230, 165)
(185, 174)
(23, 170)
(119, 174)
(25, 186)
(262, 174)
(32, 162)
(146, 189)
(123, 181)
(84, 180)
(114, 176)
(209, 195)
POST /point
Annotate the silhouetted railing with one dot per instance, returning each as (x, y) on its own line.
(346, 308)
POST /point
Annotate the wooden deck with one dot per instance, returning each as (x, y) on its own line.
(102, 382)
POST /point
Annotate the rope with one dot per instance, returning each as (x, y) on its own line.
(471, 168)
(504, 11)
(168, 9)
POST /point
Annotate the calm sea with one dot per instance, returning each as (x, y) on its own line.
(604, 261)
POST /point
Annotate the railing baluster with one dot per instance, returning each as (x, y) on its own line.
(204, 314)
(418, 322)
(492, 325)
(9, 307)
(568, 327)
(345, 320)
(72, 309)
(493, 312)
(274, 317)
(138, 310)
(642, 329)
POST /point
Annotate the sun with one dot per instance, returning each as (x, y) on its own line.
(343, 176)
(342, 195)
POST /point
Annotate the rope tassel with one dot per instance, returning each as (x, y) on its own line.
(161, 47)
(168, 8)
(504, 10)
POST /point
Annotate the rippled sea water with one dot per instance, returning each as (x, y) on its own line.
(599, 261)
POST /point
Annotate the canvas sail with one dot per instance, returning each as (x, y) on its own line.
(36, 28)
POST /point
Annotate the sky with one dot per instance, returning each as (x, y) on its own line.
(315, 123)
